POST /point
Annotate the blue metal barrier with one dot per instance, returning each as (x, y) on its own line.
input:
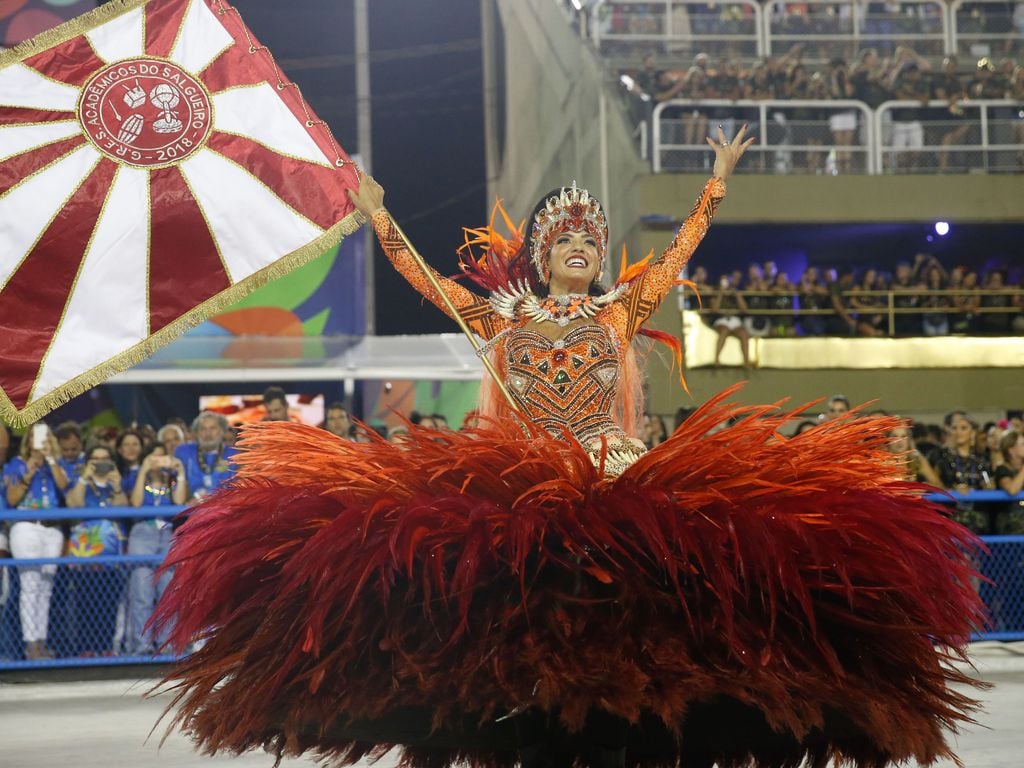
(75, 611)
(96, 604)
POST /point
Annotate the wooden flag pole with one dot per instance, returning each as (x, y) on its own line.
(454, 313)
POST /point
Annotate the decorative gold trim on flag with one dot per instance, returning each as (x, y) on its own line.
(136, 354)
(68, 30)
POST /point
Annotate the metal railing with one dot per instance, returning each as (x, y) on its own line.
(806, 136)
(892, 310)
(983, 28)
(831, 29)
(982, 135)
(683, 27)
(89, 594)
(827, 29)
(787, 139)
(86, 610)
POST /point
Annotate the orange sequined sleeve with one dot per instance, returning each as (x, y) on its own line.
(647, 291)
(475, 310)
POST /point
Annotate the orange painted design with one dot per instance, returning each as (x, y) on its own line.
(650, 288)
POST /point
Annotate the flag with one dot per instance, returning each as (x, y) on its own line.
(155, 167)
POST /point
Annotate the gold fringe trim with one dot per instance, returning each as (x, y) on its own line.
(37, 409)
(68, 30)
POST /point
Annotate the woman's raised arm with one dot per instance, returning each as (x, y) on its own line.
(650, 288)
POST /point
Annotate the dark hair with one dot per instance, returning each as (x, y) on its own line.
(803, 426)
(337, 405)
(948, 418)
(270, 394)
(840, 399)
(68, 429)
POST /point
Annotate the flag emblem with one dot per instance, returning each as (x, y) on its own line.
(145, 112)
(155, 167)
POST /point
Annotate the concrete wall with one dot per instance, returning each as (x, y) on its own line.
(554, 86)
(838, 199)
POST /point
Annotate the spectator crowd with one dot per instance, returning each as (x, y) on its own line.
(923, 298)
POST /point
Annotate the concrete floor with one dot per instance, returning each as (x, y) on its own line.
(108, 724)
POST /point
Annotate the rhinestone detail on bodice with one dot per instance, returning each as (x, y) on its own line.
(569, 383)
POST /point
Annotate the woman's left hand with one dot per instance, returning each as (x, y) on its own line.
(728, 153)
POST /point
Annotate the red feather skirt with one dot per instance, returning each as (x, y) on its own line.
(734, 596)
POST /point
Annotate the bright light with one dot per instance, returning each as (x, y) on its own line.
(577, 4)
(942, 228)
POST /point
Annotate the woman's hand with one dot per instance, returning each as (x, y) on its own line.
(727, 153)
(369, 198)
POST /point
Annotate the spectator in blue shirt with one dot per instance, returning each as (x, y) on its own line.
(97, 588)
(207, 461)
(72, 458)
(161, 482)
(34, 480)
(129, 447)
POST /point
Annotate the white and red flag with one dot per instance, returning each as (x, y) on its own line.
(155, 166)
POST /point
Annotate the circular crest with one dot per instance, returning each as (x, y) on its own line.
(145, 112)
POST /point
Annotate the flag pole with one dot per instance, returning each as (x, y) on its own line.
(454, 313)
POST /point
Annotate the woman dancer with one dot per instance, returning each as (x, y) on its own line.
(542, 589)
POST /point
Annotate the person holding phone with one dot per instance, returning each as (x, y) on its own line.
(97, 587)
(34, 479)
(161, 481)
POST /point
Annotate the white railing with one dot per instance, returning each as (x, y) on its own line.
(979, 136)
(840, 28)
(829, 28)
(683, 26)
(983, 28)
(787, 139)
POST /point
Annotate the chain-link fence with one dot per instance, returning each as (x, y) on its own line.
(82, 585)
(85, 610)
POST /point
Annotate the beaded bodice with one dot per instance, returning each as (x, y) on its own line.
(566, 384)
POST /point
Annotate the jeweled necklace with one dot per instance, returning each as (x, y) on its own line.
(561, 309)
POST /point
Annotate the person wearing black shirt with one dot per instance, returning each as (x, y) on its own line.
(961, 469)
(995, 323)
(1010, 478)
(905, 298)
